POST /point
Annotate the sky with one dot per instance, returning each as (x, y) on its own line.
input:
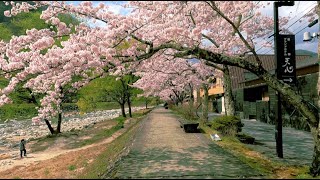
(296, 12)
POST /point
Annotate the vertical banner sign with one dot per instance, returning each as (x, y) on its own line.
(287, 59)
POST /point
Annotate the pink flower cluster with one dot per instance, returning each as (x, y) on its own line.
(45, 68)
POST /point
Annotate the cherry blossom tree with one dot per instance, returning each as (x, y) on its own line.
(172, 79)
(45, 68)
(175, 29)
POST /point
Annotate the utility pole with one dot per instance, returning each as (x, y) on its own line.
(278, 114)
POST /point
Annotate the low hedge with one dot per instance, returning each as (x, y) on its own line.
(227, 125)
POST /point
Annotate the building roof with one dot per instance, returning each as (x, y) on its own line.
(239, 75)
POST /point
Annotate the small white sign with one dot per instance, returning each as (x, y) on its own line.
(215, 137)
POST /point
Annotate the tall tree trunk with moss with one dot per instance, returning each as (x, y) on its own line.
(228, 98)
(205, 103)
(315, 131)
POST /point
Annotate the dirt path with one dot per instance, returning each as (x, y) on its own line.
(54, 162)
(46, 154)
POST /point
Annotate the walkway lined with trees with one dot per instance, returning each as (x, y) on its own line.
(60, 57)
(162, 149)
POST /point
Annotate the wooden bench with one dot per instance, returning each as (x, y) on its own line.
(189, 126)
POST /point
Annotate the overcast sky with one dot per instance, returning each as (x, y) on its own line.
(296, 12)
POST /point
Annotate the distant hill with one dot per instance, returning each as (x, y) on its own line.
(305, 52)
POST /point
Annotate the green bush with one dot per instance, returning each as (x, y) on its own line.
(186, 111)
(227, 125)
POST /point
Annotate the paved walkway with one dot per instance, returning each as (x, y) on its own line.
(297, 144)
(162, 149)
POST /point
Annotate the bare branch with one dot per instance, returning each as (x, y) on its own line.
(211, 40)
(215, 8)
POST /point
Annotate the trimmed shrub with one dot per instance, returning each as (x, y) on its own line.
(227, 125)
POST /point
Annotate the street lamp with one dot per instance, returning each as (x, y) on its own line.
(307, 35)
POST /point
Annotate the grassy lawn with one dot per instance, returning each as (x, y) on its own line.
(17, 111)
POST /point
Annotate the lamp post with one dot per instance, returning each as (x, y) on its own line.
(307, 36)
(278, 114)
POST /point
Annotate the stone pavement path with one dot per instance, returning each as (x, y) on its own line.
(161, 149)
(297, 144)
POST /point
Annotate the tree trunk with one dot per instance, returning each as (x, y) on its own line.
(318, 85)
(205, 103)
(315, 131)
(315, 166)
(228, 99)
(33, 98)
(123, 110)
(146, 100)
(59, 122)
(198, 97)
(191, 99)
(49, 126)
(60, 114)
(129, 104)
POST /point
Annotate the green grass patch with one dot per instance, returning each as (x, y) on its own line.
(46, 172)
(99, 166)
(105, 133)
(99, 106)
(17, 111)
(72, 167)
(101, 134)
(42, 143)
(96, 135)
